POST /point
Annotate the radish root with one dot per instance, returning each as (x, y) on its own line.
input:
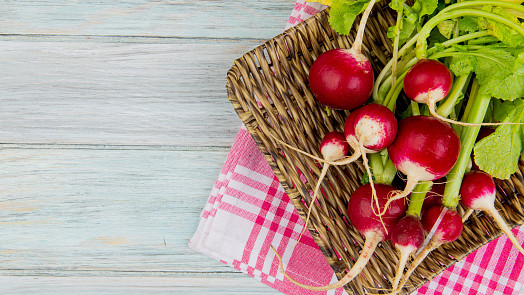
(404, 256)
(372, 240)
(467, 214)
(414, 264)
(504, 227)
(410, 185)
(374, 197)
(431, 107)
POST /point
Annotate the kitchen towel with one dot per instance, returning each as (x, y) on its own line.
(248, 210)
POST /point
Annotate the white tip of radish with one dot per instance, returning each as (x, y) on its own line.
(484, 204)
(421, 172)
(436, 94)
(333, 152)
(374, 131)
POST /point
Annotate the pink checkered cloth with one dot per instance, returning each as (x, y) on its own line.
(248, 211)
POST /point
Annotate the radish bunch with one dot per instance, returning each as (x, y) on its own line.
(422, 146)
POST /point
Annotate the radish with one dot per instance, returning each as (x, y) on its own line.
(407, 237)
(333, 147)
(343, 78)
(429, 81)
(478, 192)
(374, 228)
(443, 226)
(425, 149)
(370, 129)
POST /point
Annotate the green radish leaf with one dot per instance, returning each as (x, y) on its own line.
(468, 24)
(405, 34)
(501, 109)
(396, 4)
(502, 32)
(498, 154)
(462, 65)
(446, 28)
(424, 7)
(343, 14)
(498, 70)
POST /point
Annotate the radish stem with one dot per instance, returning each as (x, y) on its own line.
(480, 105)
(448, 105)
(359, 38)
(395, 44)
(417, 198)
(465, 4)
(421, 47)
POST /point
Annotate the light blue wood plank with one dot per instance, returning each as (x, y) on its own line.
(107, 210)
(118, 93)
(109, 162)
(207, 18)
(231, 284)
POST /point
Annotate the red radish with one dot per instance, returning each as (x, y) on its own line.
(374, 126)
(374, 228)
(343, 78)
(407, 237)
(478, 192)
(443, 226)
(425, 149)
(333, 147)
(429, 81)
(450, 226)
(370, 129)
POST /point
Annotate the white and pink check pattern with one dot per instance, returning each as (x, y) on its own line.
(248, 211)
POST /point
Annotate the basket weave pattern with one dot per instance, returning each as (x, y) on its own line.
(269, 90)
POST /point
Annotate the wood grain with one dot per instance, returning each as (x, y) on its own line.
(175, 18)
(115, 124)
(94, 92)
(232, 284)
(112, 210)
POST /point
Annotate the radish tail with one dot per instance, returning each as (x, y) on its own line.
(311, 204)
(343, 161)
(431, 107)
(410, 185)
(404, 256)
(357, 45)
(296, 149)
(504, 227)
(370, 179)
(467, 215)
(372, 240)
(418, 259)
(346, 160)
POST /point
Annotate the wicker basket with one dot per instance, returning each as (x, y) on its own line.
(269, 91)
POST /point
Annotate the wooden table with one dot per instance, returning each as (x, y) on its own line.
(114, 126)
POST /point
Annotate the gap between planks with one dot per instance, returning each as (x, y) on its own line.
(60, 146)
(123, 38)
